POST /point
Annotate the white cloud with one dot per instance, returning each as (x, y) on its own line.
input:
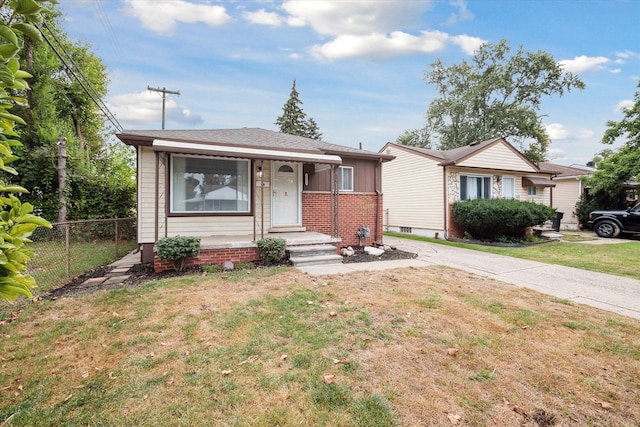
(379, 45)
(627, 54)
(584, 63)
(624, 104)
(615, 71)
(163, 15)
(145, 109)
(373, 29)
(468, 44)
(464, 14)
(262, 17)
(557, 131)
(336, 18)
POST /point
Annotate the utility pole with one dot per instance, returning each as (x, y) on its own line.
(164, 97)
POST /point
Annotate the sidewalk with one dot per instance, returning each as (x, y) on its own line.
(613, 293)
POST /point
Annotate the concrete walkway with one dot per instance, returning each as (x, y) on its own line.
(608, 292)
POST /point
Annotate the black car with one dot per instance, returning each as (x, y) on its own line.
(612, 223)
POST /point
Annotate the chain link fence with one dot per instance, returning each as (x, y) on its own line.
(72, 248)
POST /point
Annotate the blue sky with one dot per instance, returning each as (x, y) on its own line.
(359, 65)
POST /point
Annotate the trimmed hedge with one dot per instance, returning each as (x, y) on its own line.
(271, 249)
(177, 249)
(497, 219)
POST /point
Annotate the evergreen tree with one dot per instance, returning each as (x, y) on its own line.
(313, 131)
(294, 120)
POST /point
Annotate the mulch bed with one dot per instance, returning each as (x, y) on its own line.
(142, 273)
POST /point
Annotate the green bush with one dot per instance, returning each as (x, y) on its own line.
(600, 202)
(177, 249)
(500, 219)
(271, 249)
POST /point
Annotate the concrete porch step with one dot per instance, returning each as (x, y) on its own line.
(320, 254)
(315, 260)
(311, 250)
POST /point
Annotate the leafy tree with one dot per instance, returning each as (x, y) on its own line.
(495, 95)
(17, 222)
(628, 127)
(415, 138)
(60, 105)
(294, 120)
(619, 167)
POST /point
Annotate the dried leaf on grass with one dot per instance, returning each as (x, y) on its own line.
(603, 404)
(249, 359)
(454, 419)
(226, 372)
(329, 379)
(453, 352)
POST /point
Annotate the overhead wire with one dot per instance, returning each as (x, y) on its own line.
(74, 70)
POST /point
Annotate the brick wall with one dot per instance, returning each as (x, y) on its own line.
(211, 257)
(453, 228)
(355, 210)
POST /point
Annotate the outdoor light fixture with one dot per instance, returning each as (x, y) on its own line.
(260, 173)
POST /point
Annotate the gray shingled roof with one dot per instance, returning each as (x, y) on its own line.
(561, 170)
(245, 137)
(455, 154)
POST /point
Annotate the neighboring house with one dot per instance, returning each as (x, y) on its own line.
(568, 190)
(421, 185)
(233, 187)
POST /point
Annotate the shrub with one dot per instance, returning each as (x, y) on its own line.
(177, 249)
(271, 249)
(495, 219)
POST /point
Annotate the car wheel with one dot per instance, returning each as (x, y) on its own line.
(607, 228)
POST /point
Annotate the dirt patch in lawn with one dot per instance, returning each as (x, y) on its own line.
(415, 346)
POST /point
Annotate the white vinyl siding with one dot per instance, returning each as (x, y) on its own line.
(412, 185)
(497, 157)
(198, 226)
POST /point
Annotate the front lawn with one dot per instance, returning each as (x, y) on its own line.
(612, 258)
(417, 346)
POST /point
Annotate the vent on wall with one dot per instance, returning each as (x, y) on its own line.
(405, 229)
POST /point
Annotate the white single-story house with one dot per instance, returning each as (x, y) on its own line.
(233, 187)
(420, 184)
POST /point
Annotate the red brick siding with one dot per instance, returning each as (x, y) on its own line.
(354, 210)
(454, 229)
(211, 257)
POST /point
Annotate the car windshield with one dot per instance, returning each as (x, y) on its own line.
(636, 208)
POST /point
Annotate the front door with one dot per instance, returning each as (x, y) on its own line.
(285, 197)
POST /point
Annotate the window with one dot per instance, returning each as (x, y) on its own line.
(532, 191)
(475, 187)
(345, 178)
(508, 187)
(209, 185)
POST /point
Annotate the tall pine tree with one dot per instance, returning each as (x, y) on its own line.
(294, 120)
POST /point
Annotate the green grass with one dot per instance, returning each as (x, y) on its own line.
(48, 266)
(619, 259)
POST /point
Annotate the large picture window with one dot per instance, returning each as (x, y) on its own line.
(345, 178)
(475, 187)
(209, 185)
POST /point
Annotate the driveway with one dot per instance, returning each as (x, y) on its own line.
(613, 293)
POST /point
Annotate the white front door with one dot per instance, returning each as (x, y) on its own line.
(285, 197)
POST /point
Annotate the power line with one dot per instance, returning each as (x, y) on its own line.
(82, 80)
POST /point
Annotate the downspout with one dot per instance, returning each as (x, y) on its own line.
(157, 203)
(378, 237)
(446, 206)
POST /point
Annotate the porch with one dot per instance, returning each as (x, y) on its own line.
(304, 248)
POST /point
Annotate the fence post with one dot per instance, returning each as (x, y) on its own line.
(116, 223)
(68, 249)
